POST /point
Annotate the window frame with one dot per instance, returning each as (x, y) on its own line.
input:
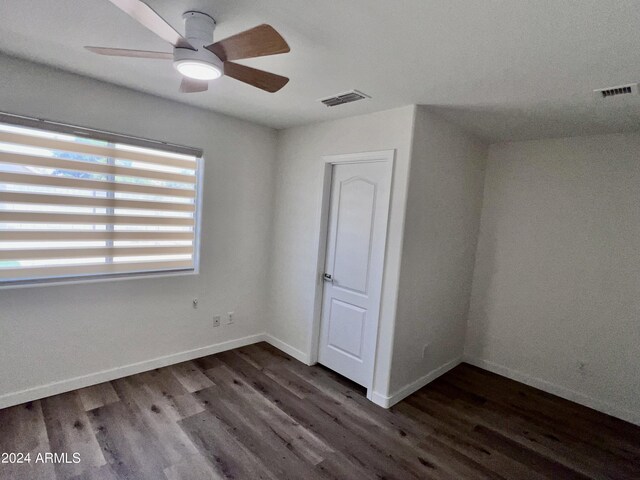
(103, 135)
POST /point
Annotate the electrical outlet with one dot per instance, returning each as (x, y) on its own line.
(229, 318)
(216, 320)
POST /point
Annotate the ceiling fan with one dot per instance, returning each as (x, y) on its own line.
(195, 55)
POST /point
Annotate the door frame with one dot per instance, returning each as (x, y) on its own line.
(382, 156)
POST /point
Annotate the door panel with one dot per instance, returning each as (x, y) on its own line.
(346, 325)
(355, 210)
(356, 237)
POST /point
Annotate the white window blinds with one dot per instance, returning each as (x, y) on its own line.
(80, 206)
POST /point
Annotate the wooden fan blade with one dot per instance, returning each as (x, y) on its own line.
(269, 82)
(189, 85)
(256, 42)
(144, 14)
(124, 52)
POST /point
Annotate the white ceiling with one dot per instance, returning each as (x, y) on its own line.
(505, 69)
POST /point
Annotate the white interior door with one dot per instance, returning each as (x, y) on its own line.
(357, 231)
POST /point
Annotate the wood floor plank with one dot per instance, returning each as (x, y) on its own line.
(161, 380)
(229, 458)
(322, 421)
(161, 422)
(285, 429)
(563, 410)
(69, 431)
(551, 412)
(246, 401)
(256, 435)
(458, 418)
(396, 428)
(575, 445)
(104, 472)
(97, 396)
(128, 445)
(470, 443)
(195, 467)
(418, 458)
(22, 430)
(168, 393)
(257, 413)
(190, 376)
(564, 449)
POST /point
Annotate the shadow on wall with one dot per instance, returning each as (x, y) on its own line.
(531, 121)
(484, 275)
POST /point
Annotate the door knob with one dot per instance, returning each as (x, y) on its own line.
(327, 278)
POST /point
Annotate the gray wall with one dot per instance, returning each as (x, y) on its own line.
(441, 230)
(556, 291)
(55, 333)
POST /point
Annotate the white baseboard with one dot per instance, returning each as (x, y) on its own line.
(387, 401)
(288, 349)
(554, 389)
(54, 388)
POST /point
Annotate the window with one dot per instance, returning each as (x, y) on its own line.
(78, 203)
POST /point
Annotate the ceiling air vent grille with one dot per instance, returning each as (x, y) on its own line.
(348, 97)
(632, 88)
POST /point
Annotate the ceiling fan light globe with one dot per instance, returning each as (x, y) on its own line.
(198, 70)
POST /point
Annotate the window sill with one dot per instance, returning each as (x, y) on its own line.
(98, 279)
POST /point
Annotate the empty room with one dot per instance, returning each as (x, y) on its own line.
(319, 240)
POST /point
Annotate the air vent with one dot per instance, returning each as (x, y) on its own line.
(348, 97)
(631, 89)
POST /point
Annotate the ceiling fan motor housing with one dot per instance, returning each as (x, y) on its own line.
(198, 28)
(199, 32)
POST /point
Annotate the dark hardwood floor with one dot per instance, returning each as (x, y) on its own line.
(255, 413)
